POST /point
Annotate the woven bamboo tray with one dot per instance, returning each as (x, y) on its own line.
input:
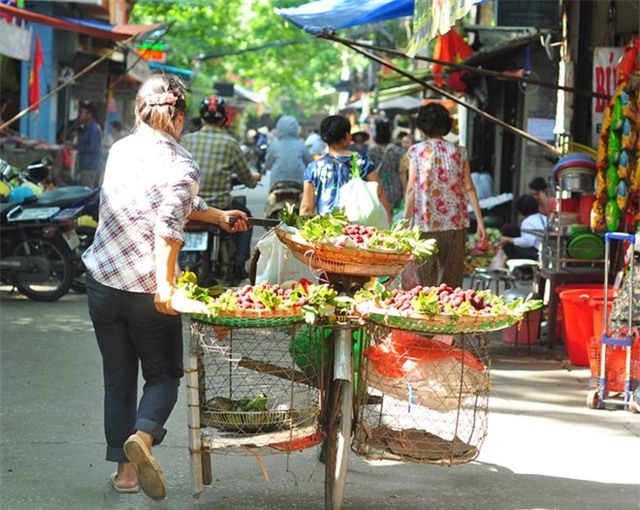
(352, 261)
(249, 422)
(252, 318)
(437, 324)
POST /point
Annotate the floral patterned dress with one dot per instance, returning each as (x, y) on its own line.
(440, 199)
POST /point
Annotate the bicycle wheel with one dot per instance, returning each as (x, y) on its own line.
(340, 417)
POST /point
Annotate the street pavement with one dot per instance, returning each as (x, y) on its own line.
(544, 450)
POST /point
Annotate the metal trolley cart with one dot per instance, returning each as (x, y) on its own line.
(616, 342)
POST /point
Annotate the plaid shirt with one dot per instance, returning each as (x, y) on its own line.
(219, 157)
(150, 187)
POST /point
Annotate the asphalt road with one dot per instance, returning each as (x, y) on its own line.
(544, 450)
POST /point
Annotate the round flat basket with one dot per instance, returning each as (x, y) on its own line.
(250, 422)
(333, 259)
(252, 319)
(439, 324)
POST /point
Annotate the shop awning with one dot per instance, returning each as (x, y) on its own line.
(402, 103)
(337, 14)
(91, 28)
(185, 73)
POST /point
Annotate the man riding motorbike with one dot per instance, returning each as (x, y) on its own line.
(220, 158)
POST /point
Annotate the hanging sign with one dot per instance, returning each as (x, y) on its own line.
(604, 81)
(153, 51)
(15, 41)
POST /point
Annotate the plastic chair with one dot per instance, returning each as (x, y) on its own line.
(484, 279)
(520, 268)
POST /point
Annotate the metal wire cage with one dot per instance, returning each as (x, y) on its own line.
(257, 387)
(422, 398)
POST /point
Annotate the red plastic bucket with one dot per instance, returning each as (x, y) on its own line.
(578, 322)
(559, 313)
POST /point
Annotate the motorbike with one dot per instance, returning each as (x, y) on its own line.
(207, 249)
(86, 202)
(37, 250)
(80, 201)
(283, 193)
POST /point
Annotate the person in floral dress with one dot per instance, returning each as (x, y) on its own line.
(438, 187)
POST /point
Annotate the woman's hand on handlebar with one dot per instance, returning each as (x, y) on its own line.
(234, 221)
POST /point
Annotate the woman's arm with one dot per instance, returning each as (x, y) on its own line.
(409, 195)
(308, 203)
(470, 190)
(375, 177)
(166, 254)
(224, 219)
(403, 170)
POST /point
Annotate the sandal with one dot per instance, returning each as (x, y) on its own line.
(150, 476)
(123, 490)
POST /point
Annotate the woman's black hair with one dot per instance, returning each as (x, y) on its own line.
(383, 132)
(527, 205)
(434, 120)
(334, 128)
(538, 184)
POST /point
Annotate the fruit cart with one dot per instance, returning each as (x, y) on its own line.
(264, 381)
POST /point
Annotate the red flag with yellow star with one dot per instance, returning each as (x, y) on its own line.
(34, 76)
(450, 47)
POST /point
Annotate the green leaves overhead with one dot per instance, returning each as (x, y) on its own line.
(295, 71)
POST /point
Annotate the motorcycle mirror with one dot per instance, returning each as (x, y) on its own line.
(6, 170)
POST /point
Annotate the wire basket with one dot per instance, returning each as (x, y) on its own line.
(333, 259)
(424, 399)
(615, 364)
(239, 364)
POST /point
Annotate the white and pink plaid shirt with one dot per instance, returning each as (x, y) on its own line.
(150, 187)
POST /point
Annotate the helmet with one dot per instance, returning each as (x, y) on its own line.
(213, 110)
(21, 194)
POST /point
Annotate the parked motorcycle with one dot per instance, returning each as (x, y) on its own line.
(37, 250)
(86, 202)
(82, 201)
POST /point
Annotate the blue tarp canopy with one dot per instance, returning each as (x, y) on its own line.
(337, 14)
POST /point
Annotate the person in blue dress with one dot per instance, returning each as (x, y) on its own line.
(324, 177)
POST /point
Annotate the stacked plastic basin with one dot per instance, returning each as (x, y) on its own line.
(578, 308)
(527, 331)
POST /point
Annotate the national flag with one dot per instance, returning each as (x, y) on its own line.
(450, 47)
(34, 76)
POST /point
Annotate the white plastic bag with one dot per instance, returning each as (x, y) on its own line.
(499, 260)
(277, 264)
(359, 199)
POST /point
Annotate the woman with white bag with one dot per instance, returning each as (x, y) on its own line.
(363, 199)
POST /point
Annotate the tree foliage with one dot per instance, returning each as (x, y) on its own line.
(295, 71)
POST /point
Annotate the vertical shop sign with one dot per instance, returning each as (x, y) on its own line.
(604, 81)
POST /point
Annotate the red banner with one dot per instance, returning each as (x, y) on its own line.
(34, 76)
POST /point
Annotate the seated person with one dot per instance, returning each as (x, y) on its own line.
(538, 189)
(482, 179)
(527, 244)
